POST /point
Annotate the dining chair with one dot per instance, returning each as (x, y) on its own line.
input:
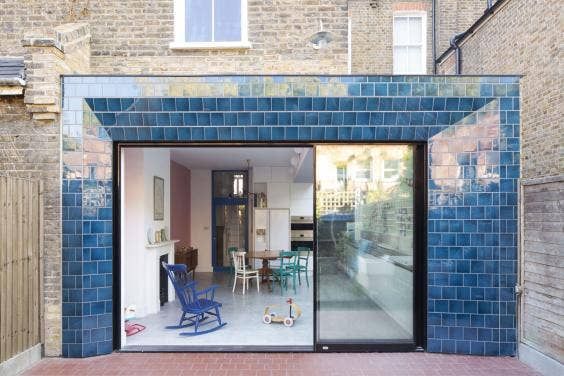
(242, 272)
(302, 264)
(285, 269)
(230, 252)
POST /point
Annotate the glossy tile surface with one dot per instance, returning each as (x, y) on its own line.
(471, 125)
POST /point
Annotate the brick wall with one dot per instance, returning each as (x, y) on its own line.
(133, 36)
(522, 38)
(31, 149)
(454, 17)
(372, 33)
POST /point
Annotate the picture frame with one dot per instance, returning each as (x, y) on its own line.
(158, 198)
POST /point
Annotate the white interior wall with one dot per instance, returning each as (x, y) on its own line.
(200, 217)
(139, 168)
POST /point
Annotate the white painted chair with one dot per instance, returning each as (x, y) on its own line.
(242, 272)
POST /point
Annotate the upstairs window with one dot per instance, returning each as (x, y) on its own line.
(210, 23)
(410, 43)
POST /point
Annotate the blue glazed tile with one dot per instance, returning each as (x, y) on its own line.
(210, 134)
(292, 104)
(264, 104)
(305, 104)
(298, 118)
(250, 104)
(367, 89)
(332, 104)
(399, 104)
(170, 134)
(208, 104)
(257, 118)
(278, 133)
(284, 118)
(319, 104)
(324, 118)
(168, 104)
(386, 104)
(349, 118)
(196, 104)
(271, 118)
(305, 133)
(346, 104)
(292, 133)
(426, 104)
(265, 133)
(311, 118)
(344, 133)
(359, 104)
(331, 133)
(318, 133)
(182, 104)
(353, 89)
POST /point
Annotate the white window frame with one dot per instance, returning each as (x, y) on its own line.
(180, 42)
(423, 16)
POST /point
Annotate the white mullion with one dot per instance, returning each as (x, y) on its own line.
(213, 20)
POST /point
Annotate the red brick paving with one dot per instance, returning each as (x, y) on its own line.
(252, 364)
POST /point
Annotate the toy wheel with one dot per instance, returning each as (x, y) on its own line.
(266, 319)
(288, 321)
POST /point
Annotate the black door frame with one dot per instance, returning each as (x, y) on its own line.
(420, 247)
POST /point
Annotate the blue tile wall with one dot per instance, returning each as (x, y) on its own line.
(471, 125)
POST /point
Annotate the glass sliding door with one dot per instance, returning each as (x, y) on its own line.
(365, 244)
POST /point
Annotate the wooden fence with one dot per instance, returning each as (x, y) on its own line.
(21, 260)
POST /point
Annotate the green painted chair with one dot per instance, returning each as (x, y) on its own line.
(302, 263)
(287, 268)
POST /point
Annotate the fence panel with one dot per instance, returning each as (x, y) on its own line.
(21, 258)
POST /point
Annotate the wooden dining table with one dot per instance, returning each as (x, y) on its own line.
(266, 256)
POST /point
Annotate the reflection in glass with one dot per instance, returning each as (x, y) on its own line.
(364, 212)
(230, 230)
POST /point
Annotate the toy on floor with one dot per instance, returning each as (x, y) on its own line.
(270, 316)
(131, 329)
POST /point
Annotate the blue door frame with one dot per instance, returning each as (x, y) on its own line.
(217, 201)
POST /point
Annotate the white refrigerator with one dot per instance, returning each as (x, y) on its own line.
(271, 229)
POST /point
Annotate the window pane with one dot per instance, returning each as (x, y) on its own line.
(227, 21)
(415, 24)
(364, 245)
(414, 60)
(400, 60)
(400, 30)
(198, 21)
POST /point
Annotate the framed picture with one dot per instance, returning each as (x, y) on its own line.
(158, 198)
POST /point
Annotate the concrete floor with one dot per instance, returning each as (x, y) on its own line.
(346, 315)
(243, 314)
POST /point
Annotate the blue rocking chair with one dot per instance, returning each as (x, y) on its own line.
(197, 306)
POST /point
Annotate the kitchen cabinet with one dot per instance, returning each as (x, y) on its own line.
(271, 229)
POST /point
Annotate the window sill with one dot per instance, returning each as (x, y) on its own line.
(210, 45)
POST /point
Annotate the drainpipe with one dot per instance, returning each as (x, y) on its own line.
(457, 52)
(434, 34)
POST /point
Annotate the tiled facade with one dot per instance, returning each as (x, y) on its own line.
(471, 125)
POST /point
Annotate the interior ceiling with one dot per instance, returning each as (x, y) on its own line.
(232, 158)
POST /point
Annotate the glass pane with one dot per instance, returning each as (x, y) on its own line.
(415, 24)
(401, 31)
(227, 20)
(400, 60)
(364, 243)
(230, 231)
(198, 21)
(414, 60)
(229, 183)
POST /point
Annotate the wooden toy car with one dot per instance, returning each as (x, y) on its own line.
(270, 316)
